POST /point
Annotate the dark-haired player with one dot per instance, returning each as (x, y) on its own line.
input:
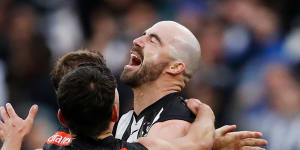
(86, 105)
(67, 63)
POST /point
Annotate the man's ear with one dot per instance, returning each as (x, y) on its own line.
(176, 68)
(115, 114)
(61, 118)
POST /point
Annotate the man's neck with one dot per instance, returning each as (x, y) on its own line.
(149, 93)
(103, 135)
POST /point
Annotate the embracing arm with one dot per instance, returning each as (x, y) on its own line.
(13, 128)
(200, 135)
(225, 138)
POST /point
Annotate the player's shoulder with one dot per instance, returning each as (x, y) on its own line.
(175, 103)
(59, 139)
(176, 109)
(125, 118)
(127, 115)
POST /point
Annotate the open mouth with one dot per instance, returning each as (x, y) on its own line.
(135, 59)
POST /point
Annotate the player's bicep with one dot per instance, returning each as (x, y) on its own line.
(170, 129)
(155, 144)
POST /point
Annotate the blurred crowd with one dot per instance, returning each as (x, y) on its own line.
(249, 74)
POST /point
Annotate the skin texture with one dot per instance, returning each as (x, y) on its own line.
(242, 140)
(176, 45)
(200, 135)
(13, 129)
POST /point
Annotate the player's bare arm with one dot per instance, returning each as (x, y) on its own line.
(200, 135)
(226, 138)
(178, 128)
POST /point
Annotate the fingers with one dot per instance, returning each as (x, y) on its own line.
(225, 129)
(200, 109)
(1, 124)
(10, 110)
(32, 112)
(205, 113)
(247, 134)
(3, 114)
(253, 142)
(252, 148)
(1, 135)
(193, 105)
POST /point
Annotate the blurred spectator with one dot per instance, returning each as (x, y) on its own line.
(63, 30)
(3, 88)
(206, 83)
(278, 115)
(253, 31)
(140, 16)
(104, 39)
(27, 70)
(292, 45)
(249, 48)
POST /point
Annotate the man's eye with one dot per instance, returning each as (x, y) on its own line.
(152, 40)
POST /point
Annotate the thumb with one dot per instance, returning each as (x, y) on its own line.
(193, 104)
(225, 129)
(32, 112)
(205, 112)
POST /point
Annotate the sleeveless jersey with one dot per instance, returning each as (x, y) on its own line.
(130, 127)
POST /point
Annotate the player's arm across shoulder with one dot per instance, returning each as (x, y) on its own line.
(193, 136)
(170, 129)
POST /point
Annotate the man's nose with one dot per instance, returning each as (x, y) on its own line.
(139, 42)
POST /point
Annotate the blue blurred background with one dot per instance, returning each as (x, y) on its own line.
(249, 74)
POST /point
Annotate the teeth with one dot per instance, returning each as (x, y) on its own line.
(132, 55)
(130, 61)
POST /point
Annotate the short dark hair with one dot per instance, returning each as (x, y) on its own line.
(73, 60)
(85, 97)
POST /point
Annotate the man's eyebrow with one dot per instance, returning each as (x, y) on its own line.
(156, 37)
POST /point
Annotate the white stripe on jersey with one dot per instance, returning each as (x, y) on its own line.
(135, 128)
(123, 124)
(157, 116)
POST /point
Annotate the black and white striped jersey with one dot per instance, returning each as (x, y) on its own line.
(171, 107)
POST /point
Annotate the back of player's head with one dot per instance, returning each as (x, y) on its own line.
(85, 97)
(73, 60)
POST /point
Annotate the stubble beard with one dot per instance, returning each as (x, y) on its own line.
(147, 73)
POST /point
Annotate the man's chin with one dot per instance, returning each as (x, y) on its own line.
(130, 82)
(129, 79)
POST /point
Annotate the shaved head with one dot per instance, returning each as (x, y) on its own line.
(166, 46)
(182, 43)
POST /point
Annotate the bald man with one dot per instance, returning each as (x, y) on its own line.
(162, 61)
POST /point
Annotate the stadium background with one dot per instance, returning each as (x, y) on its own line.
(249, 74)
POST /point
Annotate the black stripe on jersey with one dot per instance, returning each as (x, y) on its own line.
(170, 107)
(127, 133)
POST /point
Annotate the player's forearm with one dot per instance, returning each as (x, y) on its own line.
(202, 130)
(202, 133)
(13, 143)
